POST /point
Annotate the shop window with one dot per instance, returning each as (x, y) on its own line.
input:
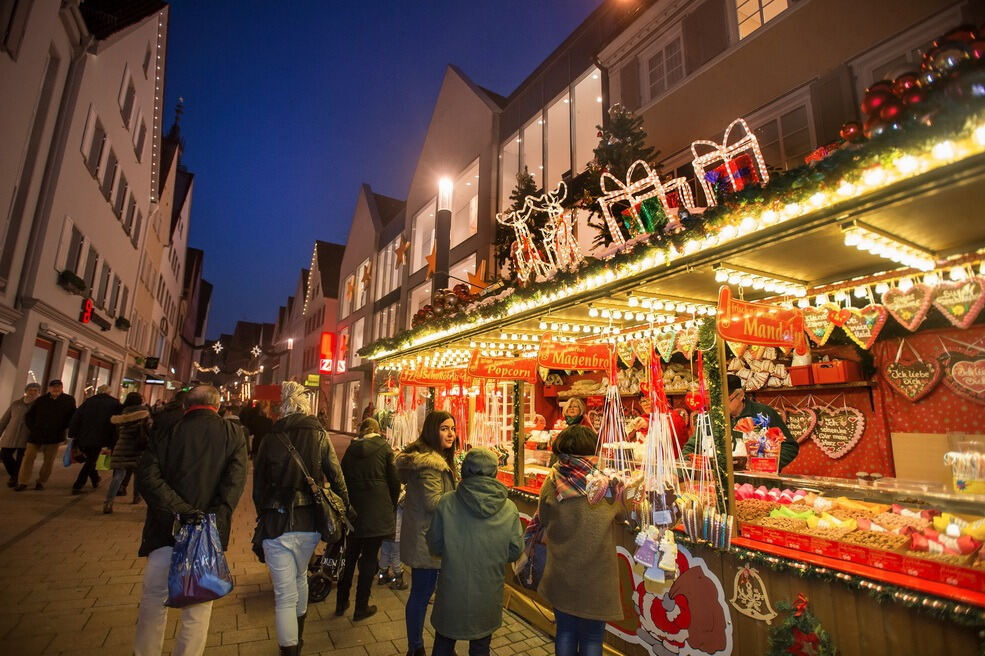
(509, 166)
(587, 117)
(358, 341)
(753, 14)
(423, 234)
(532, 145)
(362, 287)
(465, 205)
(100, 372)
(348, 290)
(40, 362)
(558, 141)
(786, 139)
(70, 371)
(353, 415)
(338, 399)
(664, 67)
(418, 298)
(459, 272)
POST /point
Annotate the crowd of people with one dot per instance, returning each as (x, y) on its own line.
(444, 515)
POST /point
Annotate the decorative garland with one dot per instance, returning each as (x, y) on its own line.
(800, 634)
(708, 343)
(786, 188)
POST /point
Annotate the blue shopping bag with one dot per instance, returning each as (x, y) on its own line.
(199, 571)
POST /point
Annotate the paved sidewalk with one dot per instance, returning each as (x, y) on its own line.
(70, 584)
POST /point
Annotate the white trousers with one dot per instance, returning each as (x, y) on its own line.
(287, 559)
(193, 631)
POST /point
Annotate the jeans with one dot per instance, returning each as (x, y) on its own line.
(287, 559)
(12, 459)
(576, 636)
(445, 646)
(49, 451)
(422, 584)
(364, 550)
(390, 556)
(152, 616)
(88, 469)
(120, 477)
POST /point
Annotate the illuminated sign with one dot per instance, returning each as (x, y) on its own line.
(313, 380)
(85, 316)
(326, 353)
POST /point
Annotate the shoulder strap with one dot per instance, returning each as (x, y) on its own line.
(297, 458)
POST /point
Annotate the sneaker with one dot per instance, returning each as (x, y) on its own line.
(397, 582)
(363, 613)
(38, 486)
(107, 508)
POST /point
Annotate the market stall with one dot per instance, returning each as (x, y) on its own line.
(846, 298)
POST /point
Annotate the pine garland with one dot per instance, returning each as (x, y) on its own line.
(799, 627)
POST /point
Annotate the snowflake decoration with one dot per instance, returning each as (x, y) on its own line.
(256, 351)
(217, 347)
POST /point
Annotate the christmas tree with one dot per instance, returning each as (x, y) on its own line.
(525, 186)
(621, 142)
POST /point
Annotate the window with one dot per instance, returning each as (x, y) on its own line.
(124, 297)
(103, 286)
(135, 235)
(664, 67)
(127, 96)
(342, 358)
(338, 399)
(348, 291)
(587, 117)
(753, 14)
(92, 261)
(460, 270)
(558, 141)
(353, 416)
(532, 145)
(358, 334)
(465, 205)
(509, 166)
(40, 362)
(114, 295)
(141, 137)
(423, 234)
(99, 373)
(362, 287)
(385, 322)
(130, 215)
(419, 297)
(786, 139)
(387, 271)
(109, 175)
(72, 259)
(13, 23)
(121, 196)
(93, 146)
(70, 371)
(146, 65)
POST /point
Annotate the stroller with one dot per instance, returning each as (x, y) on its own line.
(324, 570)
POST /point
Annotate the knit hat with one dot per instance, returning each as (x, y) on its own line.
(369, 426)
(480, 461)
(293, 398)
(577, 440)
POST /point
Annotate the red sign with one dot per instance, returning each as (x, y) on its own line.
(343, 354)
(760, 324)
(435, 376)
(524, 369)
(579, 357)
(86, 315)
(326, 364)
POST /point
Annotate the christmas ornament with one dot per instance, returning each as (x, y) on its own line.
(801, 422)
(838, 430)
(432, 260)
(817, 323)
(725, 153)
(904, 82)
(642, 184)
(401, 252)
(477, 280)
(908, 307)
(960, 302)
(863, 326)
(851, 132)
(749, 595)
(875, 97)
(687, 340)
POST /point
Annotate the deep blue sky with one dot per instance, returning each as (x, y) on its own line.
(289, 106)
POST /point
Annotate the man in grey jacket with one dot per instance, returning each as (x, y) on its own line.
(13, 432)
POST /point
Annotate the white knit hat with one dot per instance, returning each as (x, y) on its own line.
(293, 398)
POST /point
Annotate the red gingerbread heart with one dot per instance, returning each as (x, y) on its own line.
(863, 326)
(839, 317)
(960, 302)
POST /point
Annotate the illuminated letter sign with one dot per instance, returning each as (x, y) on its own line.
(86, 315)
(326, 353)
(579, 357)
(524, 369)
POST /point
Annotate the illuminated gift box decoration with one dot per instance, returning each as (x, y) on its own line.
(736, 163)
(647, 197)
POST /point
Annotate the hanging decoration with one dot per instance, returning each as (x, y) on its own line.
(198, 367)
(960, 302)
(908, 306)
(646, 195)
(664, 344)
(477, 280)
(864, 325)
(915, 379)
(256, 351)
(401, 252)
(817, 323)
(739, 163)
(526, 258)
(801, 422)
(749, 595)
(217, 347)
(965, 374)
(687, 340)
(759, 323)
(800, 633)
(432, 260)
(838, 430)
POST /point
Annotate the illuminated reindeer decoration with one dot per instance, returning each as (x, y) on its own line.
(559, 239)
(524, 251)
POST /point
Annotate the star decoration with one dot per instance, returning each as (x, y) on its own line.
(477, 280)
(217, 347)
(432, 260)
(349, 288)
(256, 351)
(402, 252)
(367, 274)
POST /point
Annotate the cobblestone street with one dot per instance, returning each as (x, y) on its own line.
(70, 583)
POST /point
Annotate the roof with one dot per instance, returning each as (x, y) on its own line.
(106, 17)
(330, 263)
(389, 208)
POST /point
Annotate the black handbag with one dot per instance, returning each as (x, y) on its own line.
(330, 512)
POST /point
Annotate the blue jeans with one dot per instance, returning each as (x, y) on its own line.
(390, 556)
(576, 636)
(287, 558)
(422, 584)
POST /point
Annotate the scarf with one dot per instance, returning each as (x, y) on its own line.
(571, 475)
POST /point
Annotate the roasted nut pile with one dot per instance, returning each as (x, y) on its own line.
(948, 559)
(892, 521)
(826, 533)
(784, 524)
(851, 513)
(876, 539)
(747, 510)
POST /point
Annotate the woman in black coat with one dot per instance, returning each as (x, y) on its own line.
(132, 425)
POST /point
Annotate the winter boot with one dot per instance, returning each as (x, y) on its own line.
(301, 632)
(108, 508)
(293, 650)
(397, 582)
(363, 613)
(340, 607)
(383, 576)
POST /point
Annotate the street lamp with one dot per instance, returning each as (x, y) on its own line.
(445, 188)
(290, 347)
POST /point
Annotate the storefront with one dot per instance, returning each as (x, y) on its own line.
(846, 297)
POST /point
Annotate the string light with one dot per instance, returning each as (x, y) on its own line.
(769, 281)
(875, 241)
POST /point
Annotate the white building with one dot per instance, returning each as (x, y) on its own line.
(89, 173)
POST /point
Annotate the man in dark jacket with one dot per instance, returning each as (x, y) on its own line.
(197, 468)
(47, 420)
(374, 488)
(91, 431)
(169, 415)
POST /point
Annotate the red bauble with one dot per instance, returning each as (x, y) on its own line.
(873, 126)
(891, 110)
(881, 84)
(851, 131)
(461, 288)
(875, 98)
(977, 49)
(913, 97)
(904, 82)
(965, 33)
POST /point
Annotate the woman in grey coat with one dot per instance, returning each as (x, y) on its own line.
(427, 469)
(13, 432)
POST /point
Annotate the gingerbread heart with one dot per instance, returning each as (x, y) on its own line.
(960, 302)
(664, 344)
(908, 307)
(816, 323)
(801, 421)
(839, 316)
(687, 339)
(838, 430)
(644, 349)
(863, 326)
(626, 353)
(965, 375)
(913, 380)
(737, 348)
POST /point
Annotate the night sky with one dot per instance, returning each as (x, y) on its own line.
(290, 106)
